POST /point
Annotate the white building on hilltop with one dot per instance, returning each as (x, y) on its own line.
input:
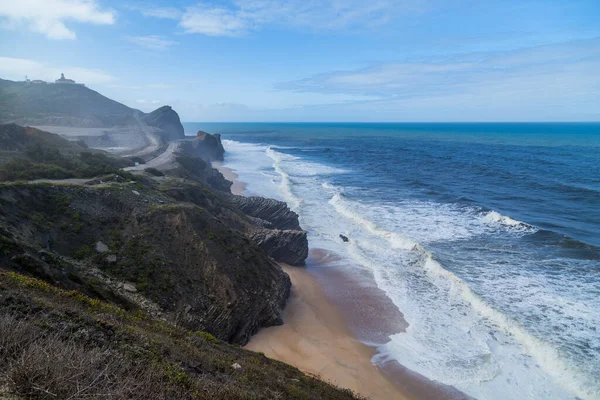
(64, 80)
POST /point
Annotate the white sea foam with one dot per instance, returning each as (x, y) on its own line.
(455, 335)
(494, 217)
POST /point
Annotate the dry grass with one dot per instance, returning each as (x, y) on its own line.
(57, 344)
(36, 365)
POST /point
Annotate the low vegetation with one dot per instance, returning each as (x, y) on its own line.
(154, 171)
(63, 344)
(39, 162)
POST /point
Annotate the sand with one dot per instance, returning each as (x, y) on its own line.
(327, 313)
(238, 187)
(315, 339)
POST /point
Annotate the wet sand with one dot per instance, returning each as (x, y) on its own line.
(315, 339)
(329, 317)
(238, 187)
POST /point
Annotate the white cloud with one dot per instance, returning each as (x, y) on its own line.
(48, 17)
(551, 82)
(152, 42)
(213, 21)
(161, 12)
(247, 15)
(556, 63)
(144, 101)
(17, 68)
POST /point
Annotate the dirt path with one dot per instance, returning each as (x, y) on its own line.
(164, 160)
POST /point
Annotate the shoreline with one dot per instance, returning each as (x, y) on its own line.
(238, 187)
(315, 339)
(329, 318)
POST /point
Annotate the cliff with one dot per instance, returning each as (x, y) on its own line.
(77, 106)
(276, 213)
(206, 146)
(275, 228)
(167, 120)
(200, 272)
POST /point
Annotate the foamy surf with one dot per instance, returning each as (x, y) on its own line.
(494, 217)
(477, 341)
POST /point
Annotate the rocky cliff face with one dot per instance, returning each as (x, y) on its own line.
(275, 212)
(286, 246)
(167, 120)
(197, 169)
(275, 228)
(190, 262)
(206, 146)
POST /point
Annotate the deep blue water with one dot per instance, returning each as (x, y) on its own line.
(486, 236)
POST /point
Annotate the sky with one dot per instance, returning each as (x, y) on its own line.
(318, 60)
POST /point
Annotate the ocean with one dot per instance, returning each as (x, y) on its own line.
(485, 236)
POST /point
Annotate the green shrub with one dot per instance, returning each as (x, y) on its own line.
(82, 252)
(154, 171)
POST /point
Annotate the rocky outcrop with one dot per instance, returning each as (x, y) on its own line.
(206, 146)
(193, 261)
(275, 228)
(289, 246)
(275, 212)
(197, 169)
(286, 246)
(167, 120)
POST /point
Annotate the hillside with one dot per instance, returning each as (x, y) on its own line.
(144, 283)
(59, 344)
(72, 105)
(77, 106)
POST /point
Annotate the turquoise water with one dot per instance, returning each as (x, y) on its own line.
(486, 236)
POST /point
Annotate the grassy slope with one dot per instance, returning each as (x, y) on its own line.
(19, 100)
(62, 344)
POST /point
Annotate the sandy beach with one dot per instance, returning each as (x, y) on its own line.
(315, 338)
(324, 333)
(238, 187)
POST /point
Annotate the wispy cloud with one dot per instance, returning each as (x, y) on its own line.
(241, 16)
(48, 17)
(144, 101)
(161, 12)
(17, 68)
(550, 70)
(559, 78)
(152, 42)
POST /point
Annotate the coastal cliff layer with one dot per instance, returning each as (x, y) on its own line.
(275, 228)
(200, 272)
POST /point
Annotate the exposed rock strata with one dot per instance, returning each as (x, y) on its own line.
(276, 212)
(287, 246)
(195, 168)
(276, 228)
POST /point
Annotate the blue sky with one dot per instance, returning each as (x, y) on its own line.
(327, 60)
